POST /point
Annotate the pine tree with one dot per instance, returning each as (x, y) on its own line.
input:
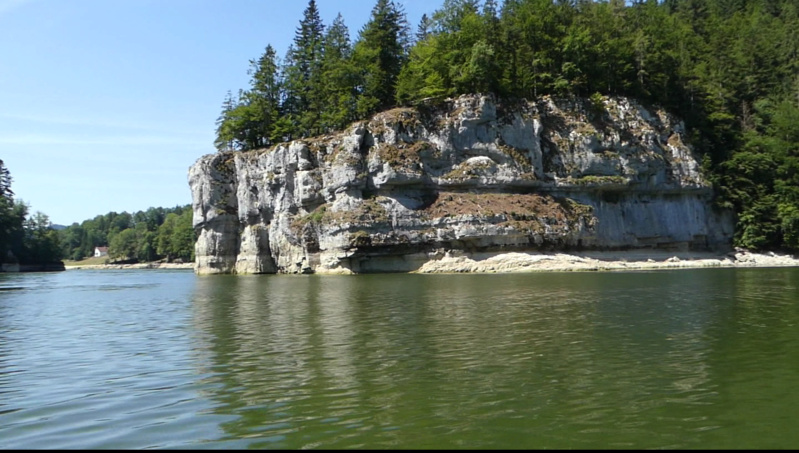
(250, 120)
(380, 54)
(424, 28)
(264, 94)
(5, 181)
(303, 96)
(224, 134)
(339, 78)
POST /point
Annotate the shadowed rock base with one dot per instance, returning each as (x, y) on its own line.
(49, 267)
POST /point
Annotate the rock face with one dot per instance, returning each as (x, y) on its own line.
(469, 175)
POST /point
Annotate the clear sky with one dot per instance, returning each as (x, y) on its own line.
(104, 104)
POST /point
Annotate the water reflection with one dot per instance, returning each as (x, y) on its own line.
(754, 360)
(150, 359)
(557, 360)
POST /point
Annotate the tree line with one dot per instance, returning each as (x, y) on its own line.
(729, 68)
(154, 234)
(25, 238)
(324, 83)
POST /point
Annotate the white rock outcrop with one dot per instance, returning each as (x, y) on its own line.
(468, 175)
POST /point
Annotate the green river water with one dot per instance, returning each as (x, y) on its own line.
(130, 359)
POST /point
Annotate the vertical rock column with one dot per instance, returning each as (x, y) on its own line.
(254, 203)
(213, 185)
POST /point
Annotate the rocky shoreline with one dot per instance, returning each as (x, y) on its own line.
(456, 262)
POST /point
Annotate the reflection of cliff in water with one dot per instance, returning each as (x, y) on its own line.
(322, 360)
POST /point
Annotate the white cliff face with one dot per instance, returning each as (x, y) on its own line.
(467, 175)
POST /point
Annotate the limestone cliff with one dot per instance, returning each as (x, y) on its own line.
(468, 175)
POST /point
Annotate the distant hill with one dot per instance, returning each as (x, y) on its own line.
(58, 227)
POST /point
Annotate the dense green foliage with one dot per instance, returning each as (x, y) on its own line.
(150, 235)
(730, 68)
(24, 238)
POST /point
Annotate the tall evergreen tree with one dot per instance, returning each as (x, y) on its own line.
(424, 28)
(380, 53)
(225, 136)
(264, 94)
(251, 120)
(303, 95)
(339, 78)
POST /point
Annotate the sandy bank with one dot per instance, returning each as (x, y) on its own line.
(600, 261)
(134, 266)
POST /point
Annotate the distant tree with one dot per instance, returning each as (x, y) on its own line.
(41, 241)
(123, 245)
(119, 222)
(176, 237)
(30, 239)
(18, 215)
(7, 220)
(145, 243)
(5, 182)
(183, 237)
(70, 239)
(139, 241)
(164, 239)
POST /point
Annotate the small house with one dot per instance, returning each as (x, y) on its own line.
(100, 251)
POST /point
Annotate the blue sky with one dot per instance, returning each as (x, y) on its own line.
(104, 104)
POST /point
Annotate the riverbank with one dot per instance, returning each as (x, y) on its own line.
(482, 263)
(455, 262)
(131, 266)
